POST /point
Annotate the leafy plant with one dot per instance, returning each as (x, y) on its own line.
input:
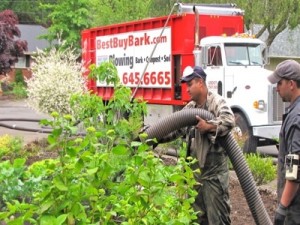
(105, 72)
(15, 185)
(19, 90)
(10, 147)
(262, 168)
(19, 78)
(102, 175)
(4, 143)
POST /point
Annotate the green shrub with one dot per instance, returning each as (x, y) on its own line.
(19, 78)
(10, 147)
(15, 184)
(105, 176)
(19, 90)
(262, 168)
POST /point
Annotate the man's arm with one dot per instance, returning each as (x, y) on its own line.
(289, 192)
(205, 127)
(223, 120)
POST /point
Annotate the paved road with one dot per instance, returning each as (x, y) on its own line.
(16, 111)
(19, 110)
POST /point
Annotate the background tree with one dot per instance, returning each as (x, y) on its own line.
(10, 47)
(116, 11)
(28, 11)
(274, 16)
(68, 18)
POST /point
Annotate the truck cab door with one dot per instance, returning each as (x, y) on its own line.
(215, 69)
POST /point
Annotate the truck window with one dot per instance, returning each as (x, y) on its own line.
(243, 54)
(255, 55)
(214, 56)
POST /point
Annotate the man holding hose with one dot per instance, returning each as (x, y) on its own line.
(212, 200)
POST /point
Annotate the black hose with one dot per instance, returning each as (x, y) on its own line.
(186, 118)
(15, 127)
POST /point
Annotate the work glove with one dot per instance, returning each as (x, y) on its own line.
(280, 215)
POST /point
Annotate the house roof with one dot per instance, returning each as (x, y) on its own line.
(31, 34)
(286, 44)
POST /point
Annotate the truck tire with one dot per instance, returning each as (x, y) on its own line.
(244, 135)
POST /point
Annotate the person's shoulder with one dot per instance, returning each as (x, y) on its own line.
(297, 102)
(295, 107)
(191, 104)
(215, 97)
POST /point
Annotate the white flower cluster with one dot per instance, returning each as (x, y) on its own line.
(56, 77)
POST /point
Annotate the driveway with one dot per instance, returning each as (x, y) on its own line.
(13, 116)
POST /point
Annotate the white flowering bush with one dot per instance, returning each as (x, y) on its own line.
(56, 77)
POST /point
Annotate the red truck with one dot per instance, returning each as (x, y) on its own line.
(150, 55)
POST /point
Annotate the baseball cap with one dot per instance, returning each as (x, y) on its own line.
(190, 73)
(288, 69)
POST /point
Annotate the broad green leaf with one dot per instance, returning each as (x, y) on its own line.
(16, 221)
(135, 144)
(176, 177)
(52, 139)
(71, 151)
(19, 162)
(143, 182)
(59, 184)
(61, 219)
(120, 150)
(45, 206)
(79, 165)
(57, 132)
(73, 129)
(92, 171)
(48, 220)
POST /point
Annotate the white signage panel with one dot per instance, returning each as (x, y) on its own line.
(130, 52)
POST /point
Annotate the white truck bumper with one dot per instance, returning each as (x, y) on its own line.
(270, 132)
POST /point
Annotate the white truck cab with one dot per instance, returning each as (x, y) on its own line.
(235, 70)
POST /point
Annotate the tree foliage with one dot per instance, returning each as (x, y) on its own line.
(273, 15)
(68, 18)
(28, 11)
(10, 47)
(116, 11)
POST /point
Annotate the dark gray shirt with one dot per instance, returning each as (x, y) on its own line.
(289, 140)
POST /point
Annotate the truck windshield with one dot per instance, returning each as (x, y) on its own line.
(243, 54)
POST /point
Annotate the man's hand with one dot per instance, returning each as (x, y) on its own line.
(280, 215)
(203, 126)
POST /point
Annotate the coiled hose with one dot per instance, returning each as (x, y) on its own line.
(186, 118)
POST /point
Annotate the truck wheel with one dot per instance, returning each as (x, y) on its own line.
(243, 134)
